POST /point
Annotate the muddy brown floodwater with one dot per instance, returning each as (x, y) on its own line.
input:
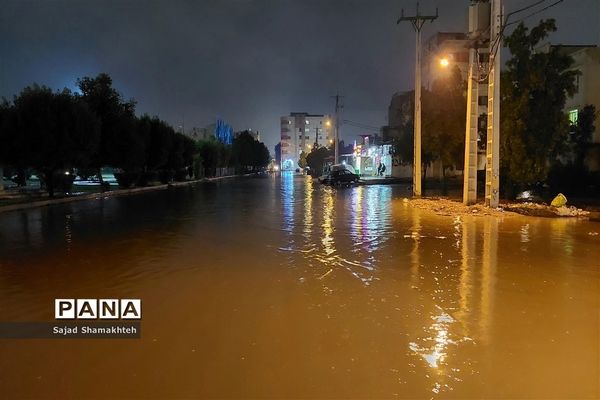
(281, 287)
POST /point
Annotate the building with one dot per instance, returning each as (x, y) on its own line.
(450, 46)
(454, 48)
(205, 133)
(587, 61)
(301, 132)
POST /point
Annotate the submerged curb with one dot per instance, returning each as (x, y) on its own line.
(110, 193)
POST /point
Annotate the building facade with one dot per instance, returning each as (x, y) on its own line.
(587, 61)
(454, 47)
(301, 132)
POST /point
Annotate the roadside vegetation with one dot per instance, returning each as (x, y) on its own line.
(59, 135)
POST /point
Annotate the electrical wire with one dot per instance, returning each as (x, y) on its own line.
(360, 125)
(498, 40)
(535, 12)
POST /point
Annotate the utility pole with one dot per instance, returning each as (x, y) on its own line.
(492, 168)
(338, 106)
(479, 28)
(417, 22)
(470, 170)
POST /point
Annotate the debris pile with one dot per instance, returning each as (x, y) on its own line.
(446, 207)
(443, 206)
(542, 210)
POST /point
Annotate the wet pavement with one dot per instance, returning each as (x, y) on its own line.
(280, 287)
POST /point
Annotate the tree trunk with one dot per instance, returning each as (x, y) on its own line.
(444, 186)
(50, 182)
(99, 174)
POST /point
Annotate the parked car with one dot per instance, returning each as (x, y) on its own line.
(340, 177)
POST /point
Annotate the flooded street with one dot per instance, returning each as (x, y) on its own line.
(281, 287)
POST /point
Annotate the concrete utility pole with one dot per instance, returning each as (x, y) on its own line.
(417, 22)
(479, 27)
(492, 169)
(338, 106)
(470, 170)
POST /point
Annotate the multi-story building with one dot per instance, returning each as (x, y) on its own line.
(301, 132)
(587, 61)
(453, 48)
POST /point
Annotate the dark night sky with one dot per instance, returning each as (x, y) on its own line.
(248, 62)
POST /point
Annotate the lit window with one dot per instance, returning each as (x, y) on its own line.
(573, 116)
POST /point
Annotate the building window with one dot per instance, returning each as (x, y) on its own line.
(573, 116)
(307, 122)
(483, 101)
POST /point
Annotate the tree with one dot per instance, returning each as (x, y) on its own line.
(53, 133)
(403, 146)
(316, 159)
(208, 151)
(302, 160)
(535, 86)
(248, 153)
(444, 121)
(158, 138)
(121, 144)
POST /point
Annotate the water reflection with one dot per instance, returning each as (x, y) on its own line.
(287, 199)
(462, 299)
(308, 210)
(488, 273)
(415, 234)
(327, 225)
(466, 266)
(303, 290)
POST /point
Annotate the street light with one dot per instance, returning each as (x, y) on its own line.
(444, 62)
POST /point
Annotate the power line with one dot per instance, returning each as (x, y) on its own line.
(525, 8)
(497, 41)
(360, 125)
(535, 12)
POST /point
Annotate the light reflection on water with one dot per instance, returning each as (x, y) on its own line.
(281, 287)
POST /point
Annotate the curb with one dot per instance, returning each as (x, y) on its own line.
(110, 193)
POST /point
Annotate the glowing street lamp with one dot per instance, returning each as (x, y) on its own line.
(444, 62)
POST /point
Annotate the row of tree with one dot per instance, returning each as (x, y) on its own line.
(55, 134)
(538, 143)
